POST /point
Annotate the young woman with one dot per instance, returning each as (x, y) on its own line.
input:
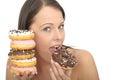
(46, 18)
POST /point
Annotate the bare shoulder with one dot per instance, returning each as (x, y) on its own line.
(86, 67)
(82, 54)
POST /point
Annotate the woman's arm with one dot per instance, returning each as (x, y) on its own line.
(9, 76)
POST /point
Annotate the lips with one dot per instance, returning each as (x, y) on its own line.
(54, 48)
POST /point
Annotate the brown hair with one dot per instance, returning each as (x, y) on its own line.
(31, 7)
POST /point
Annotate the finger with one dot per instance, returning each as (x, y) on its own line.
(31, 75)
(52, 75)
(18, 77)
(28, 75)
(25, 76)
(61, 72)
(59, 69)
(55, 70)
(68, 72)
(65, 74)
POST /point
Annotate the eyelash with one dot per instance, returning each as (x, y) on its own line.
(48, 29)
(61, 27)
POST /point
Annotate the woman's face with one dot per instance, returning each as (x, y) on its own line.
(48, 26)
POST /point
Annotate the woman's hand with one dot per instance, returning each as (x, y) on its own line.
(26, 76)
(57, 73)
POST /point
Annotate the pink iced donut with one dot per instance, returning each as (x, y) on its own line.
(22, 44)
(21, 71)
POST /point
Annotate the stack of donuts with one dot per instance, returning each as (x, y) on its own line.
(22, 53)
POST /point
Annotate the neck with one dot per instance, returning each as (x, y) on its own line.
(42, 64)
(43, 68)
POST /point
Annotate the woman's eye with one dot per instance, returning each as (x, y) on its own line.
(47, 29)
(61, 27)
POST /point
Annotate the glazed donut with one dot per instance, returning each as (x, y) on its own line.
(22, 44)
(21, 71)
(21, 54)
(21, 34)
(24, 63)
(64, 58)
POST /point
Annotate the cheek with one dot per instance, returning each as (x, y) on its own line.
(63, 36)
(42, 41)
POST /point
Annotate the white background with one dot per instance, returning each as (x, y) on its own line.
(90, 24)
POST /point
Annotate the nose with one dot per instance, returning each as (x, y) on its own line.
(57, 36)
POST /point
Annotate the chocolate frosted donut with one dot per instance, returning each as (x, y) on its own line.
(64, 57)
(21, 54)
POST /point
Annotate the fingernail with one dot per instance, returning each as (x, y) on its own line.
(26, 72)
(57, 64)
(50, 70)
(17, 74)
(52, 61)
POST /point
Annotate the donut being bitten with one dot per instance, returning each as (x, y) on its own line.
(64, 57)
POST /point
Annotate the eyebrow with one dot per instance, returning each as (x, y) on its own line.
(46, 24)
(50, 24)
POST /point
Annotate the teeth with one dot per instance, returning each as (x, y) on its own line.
(55, 53)
(57, 47)
(54, 48)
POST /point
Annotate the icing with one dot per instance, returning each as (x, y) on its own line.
(25, 60)
(20, 32)
(23, 42)
(28, 68)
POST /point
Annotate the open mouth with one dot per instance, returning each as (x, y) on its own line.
(54, 48)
